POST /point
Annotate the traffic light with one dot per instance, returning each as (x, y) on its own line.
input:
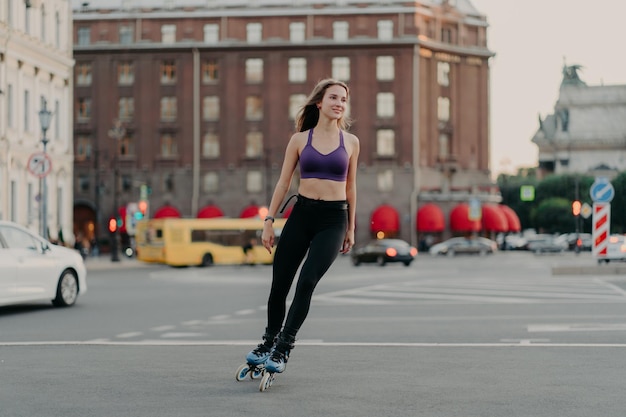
(576, 207)
(112, 225)
(143, 210)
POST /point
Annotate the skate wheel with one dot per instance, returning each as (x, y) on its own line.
(257, 373)
(266, 381)
(242, 372)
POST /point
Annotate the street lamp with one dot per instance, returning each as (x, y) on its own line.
(44, 120)
(117, 132)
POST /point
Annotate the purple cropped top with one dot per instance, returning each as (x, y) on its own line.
(332, 166)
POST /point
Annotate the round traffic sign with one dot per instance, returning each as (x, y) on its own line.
(39, 164)
(602, 190)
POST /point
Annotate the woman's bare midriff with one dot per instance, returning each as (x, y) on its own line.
(318, 189)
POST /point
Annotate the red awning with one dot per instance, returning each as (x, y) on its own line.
(460, 222)
(250, 211)
(511, 216)
(430, 219)
(494, 219)
(166, 211)
(385, 219)
(209, 212)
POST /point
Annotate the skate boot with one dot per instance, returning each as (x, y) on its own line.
(260, 354)
(280, 354)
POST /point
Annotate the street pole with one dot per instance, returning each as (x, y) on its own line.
(44, 120)
(117, 132)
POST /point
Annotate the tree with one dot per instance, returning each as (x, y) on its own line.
(553, 215)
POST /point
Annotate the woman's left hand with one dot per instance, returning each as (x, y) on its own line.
(348, 242)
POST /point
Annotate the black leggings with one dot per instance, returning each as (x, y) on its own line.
(319, 227)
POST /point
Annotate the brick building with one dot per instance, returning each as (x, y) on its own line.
(206, 92)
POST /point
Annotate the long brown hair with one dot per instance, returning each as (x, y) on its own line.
(309, 114)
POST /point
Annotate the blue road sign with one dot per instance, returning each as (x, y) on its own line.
(602, 190)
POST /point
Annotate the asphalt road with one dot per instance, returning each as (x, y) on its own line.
(446, 337)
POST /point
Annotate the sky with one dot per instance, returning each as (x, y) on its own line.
(531, 39)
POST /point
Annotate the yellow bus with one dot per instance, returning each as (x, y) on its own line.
(202, 242)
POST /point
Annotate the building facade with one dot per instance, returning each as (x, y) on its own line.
(206, 93)
(36, 70)
(586, 134)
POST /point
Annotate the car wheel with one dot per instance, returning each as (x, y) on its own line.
(380, 261)
(356, 262)
(407, 263)
(67, 289)
(207, 259)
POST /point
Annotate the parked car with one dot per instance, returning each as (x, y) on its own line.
(463, 245)
(615, 250)
(544, 243)
(33, 269)
(383, 251)
(579, 241)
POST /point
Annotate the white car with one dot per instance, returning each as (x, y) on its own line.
(33, 269)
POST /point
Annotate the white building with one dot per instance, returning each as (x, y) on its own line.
(36, 66)
(586, 134)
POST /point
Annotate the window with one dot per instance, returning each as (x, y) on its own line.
(443, 73)
(168, 72)
(385, 142)
(254, 181)
(444, 146)
(126, 35)
(210, 145)
(254, 145)
(210, 182)
(254, 32)
(211, 33)
(43, 23)
(297, 70)
(167, 183)
(385, 68)
(446, 35)
(254, 108)
(57, 119)
(340, 31)
(341, 68)
(297, 32)
(57, 29)
(168, 109)
(385, 30)
(83, 148)
(26, 110)
(83, 183)
(168, 34)
(125, 73)
(10, 105)
(127, 182)
(385, 105)
(296, 101)
(211, 108)
(443, 109)
(385, 181)
(83, 73)
(168, 146)
(254, 70)
(84, 36)
(27, 19)
(126, 108)
(127, 145)
(210, 71)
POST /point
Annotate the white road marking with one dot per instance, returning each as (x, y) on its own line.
(163, 328)
(577, 327)
(128, 335)
(521, 343)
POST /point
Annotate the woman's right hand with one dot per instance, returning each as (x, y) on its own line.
(267, 238)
